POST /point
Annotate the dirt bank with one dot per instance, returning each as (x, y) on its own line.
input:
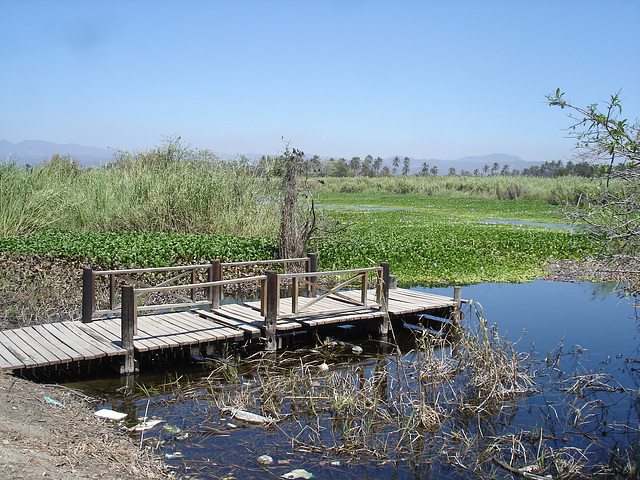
(49, 432)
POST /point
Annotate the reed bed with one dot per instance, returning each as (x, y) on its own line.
(552, 190)
(145, 191)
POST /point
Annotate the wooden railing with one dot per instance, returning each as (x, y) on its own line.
(269, 294)
(213, 271)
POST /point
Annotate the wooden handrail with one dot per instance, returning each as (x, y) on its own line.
(214, 273)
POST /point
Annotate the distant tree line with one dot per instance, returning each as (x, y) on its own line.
(370, 167)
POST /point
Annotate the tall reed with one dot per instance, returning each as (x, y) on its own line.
(165, 190)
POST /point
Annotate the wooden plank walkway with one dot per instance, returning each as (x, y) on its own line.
(57, 345)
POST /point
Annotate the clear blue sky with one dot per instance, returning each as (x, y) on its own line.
(424, 79)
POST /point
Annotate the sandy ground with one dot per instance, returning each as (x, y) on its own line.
(44, 440)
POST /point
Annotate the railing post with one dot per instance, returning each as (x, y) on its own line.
(88, 294)
(363, 289)
(312, 266)
(112, 292)
(128, 328)
(384, 328)
(193, 281)
(294, 294)
(457, 299)
(271, 317)
(215, 275)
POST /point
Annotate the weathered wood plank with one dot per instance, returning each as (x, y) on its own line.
(12, 361)
(24, 360)
(97, 335)
(108, 348)
(24, 352)
(5, 364)
(70, 338)
(252, 330)
(53, 352)
(44, 330)
(158, 331)
(201, 328)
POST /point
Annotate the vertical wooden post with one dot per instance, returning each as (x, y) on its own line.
(112, 291)
(456, 330)
(215, 275)
(128, 328)
(193, 281)
(363, 288)
(88, 294)
(312, 266)
(294, 295)
(271, 317)
(384, 328)
(457, 299)
(263, 298)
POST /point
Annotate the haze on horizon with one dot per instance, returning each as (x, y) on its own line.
(423, 79)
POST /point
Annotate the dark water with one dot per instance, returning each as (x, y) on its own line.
(589, 326)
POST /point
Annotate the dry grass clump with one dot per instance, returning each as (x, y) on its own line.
(454, 400)
(388, 406)
(35, 289)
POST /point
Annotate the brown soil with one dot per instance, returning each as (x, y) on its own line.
(41, 440)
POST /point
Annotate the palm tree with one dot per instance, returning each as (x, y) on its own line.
(425, 169)
(396, 163)
(406, 165)
(354, 164)
(377, 165)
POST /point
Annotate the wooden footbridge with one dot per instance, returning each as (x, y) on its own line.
(141, 315)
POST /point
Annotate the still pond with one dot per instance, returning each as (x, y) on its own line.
(579, 340)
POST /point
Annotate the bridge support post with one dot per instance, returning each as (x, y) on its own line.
(457, 299)
(88, 294)
(312, 266)
(128, 328)
(272, 293)
(215, 275)
(384, 301)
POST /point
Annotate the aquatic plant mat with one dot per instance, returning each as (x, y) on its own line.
(462, 405)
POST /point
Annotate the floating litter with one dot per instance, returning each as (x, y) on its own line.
(110, 414)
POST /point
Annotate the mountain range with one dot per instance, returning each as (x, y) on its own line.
(33, 152)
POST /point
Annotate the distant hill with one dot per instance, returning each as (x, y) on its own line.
(33, 152)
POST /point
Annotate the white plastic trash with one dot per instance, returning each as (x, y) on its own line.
(110, 414)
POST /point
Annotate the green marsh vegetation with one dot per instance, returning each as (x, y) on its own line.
(174, 205)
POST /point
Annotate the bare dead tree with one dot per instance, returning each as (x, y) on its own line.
(301, 222)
